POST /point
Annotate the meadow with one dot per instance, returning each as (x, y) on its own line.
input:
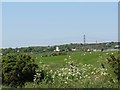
(93, 58)
(74, 70)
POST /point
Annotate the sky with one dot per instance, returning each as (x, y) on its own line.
(0, 24)
(60, 0)
(50, 23)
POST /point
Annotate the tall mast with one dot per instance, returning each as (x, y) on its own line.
(84, 39)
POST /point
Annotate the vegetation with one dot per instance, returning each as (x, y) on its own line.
(31, 68)
(63, 48)
(72, 74)
(16, 68)
(114, 64)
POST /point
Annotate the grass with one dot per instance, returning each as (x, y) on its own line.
(79, 57)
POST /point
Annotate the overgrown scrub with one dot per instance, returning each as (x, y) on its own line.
(74, 75)
(17, 69)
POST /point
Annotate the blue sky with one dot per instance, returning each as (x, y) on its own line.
(33, 24)
(0, 24)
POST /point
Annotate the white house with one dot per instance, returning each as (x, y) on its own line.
(116, 46)
(57, 49)
(74, 49)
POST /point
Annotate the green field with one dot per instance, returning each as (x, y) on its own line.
(93, 58)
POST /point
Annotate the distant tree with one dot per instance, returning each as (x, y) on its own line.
(102, 50)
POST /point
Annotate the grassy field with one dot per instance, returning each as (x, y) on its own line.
(93, 58)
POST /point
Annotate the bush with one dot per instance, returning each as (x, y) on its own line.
(114, 63)
(17, 69)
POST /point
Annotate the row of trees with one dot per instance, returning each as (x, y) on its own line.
(63, 48)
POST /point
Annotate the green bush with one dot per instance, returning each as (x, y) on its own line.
(17, 69)
(114, 64)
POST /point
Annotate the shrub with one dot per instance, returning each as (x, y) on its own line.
(17, 69)
(114, 63)
(44, 74)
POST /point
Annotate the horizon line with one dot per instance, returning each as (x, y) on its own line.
(60, 44)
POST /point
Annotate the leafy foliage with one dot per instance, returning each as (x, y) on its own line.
(115, 65)
(16, 68)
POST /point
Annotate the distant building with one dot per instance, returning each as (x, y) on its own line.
(117, 46)
(74, 49)
(18, 51)
(96, 50)
(57, 49)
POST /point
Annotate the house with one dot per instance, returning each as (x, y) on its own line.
(117, 46)
(57, 49)
(74, 49)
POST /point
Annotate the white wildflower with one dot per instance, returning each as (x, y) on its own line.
(69, 73)
(65, 82)
(96, 78)
(80, 77)
(69, 69)
(73, 74)
(40, 62)
(53, 76)
(59, 74)
(86, 75)
(67, 78)
(92, 72)
(112, 53)
(65, 59)
(89, 77)
(51, 71)
(106, 53)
